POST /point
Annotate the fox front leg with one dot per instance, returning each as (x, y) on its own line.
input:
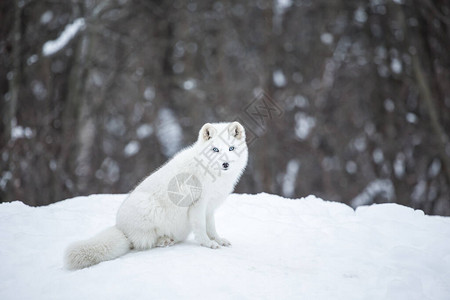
(198, 224)
(211, 230)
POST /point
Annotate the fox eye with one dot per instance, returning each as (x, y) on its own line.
(215, 149)
(231, 148)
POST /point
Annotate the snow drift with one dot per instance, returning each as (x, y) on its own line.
(282, 249)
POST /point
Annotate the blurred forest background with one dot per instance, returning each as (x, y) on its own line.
(347, 100)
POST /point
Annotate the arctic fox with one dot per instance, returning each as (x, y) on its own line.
(177, 199)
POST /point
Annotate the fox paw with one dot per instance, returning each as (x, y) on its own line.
(223, 242)
(164, 241)
(210, 244)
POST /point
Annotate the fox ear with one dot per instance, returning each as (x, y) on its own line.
(236, 130)
(207, 132)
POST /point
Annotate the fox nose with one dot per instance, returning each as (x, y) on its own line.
(225, 165)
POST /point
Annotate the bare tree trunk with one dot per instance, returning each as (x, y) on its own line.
(9, 113)
(441, 136)
(81, 106)
(14, 82)
(424, 89)
(85, 123)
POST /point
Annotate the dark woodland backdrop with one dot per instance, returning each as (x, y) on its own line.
(347, 100)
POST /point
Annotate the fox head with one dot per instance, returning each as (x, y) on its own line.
(222, 147)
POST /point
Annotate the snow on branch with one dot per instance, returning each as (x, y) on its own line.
(377, 187)
(51, 47)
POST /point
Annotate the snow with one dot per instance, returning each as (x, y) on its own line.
(132, 148)
(435, 168)
(396, 65)
(46, 17)
(399, 165)
(378, 156)
(109, 171)
(389, 105)
(419, 191)
(39, 90)
(169, 132)
(189, 84)
(278, 78)
(20, 132)
(144, 131)
(149, 93)
(300, 101)
(282, 5)
(351, 167)
(411, 118)
(32, 59)
(360, 15)
(303, 125)
(279, 8)
(6, 176)
(282, 249)
(360, 143)
(378, 187)
(69, 32)
(290, 177)
(326, 38)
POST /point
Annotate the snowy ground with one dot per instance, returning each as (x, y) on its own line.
(282, 249)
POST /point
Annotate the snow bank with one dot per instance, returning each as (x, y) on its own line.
(282, 249)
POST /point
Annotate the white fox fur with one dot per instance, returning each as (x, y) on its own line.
(149, 218)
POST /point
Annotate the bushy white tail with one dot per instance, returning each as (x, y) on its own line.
(108, 244)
